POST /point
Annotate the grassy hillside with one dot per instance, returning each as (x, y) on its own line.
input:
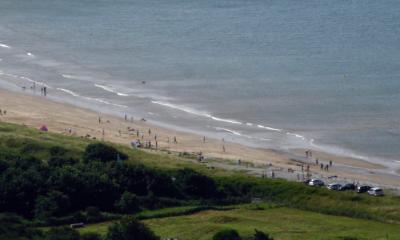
(80, 182)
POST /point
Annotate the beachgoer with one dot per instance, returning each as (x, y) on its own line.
(322, 166)
(137, 133)
(126, 117)
(316, 161)
(204, 139)
(156, 145)
(223, 148)
(45, 91)
(155, 137)
(99, 120)
(175, 141)
(330, 163)
(273, 174)
(149, 131)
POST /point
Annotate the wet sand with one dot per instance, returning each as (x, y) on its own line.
(35, 111)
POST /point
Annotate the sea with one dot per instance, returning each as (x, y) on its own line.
(280, 74)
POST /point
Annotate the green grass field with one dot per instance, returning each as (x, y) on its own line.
(280, 222)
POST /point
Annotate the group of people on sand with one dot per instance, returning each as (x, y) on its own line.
(323, 167)
(3, 112)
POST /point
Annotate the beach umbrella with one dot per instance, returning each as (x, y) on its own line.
(44, 128)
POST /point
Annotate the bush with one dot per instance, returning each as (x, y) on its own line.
(102, 152)
(228, 234)
(128, 203)
(258, 235)
(62, 233)
(90, 236)
(93, 214)
(195, 184)
(130, 229)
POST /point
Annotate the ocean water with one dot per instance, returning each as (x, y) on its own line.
(275, 74)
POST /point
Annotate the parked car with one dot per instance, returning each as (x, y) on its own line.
(316, 182)
(348, 186)
(375, 191)
(363, 188)
(334, 186)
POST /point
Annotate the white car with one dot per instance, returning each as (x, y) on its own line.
(375, 191)
(316, 182)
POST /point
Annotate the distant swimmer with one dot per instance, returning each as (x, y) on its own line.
(143, 82)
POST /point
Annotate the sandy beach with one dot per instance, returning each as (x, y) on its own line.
(35, 111)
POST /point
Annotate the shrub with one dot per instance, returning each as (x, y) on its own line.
(93, 214)
(102, 152)
(258, 235)
(128, 203)
(195, 184)
(62, 233)
(130, 229)
(90, 236)
(228, 234)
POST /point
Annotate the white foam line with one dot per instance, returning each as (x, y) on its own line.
(84, 78)
(296, 135)
(4, 45)
(110, 89)
(192, 111)
(269, 128)
(249, 124)
(91, 99)
(228, 130)
(30, 54)
(68, 91)
(36, 82)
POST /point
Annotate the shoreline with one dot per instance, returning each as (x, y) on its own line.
(35, 111)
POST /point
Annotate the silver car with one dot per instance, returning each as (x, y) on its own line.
(376, 191)
(316, 182)
(334, 186)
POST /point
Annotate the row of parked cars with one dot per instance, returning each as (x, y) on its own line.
(375, 191)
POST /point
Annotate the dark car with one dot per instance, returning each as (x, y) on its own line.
(348, 186)
(363, 189)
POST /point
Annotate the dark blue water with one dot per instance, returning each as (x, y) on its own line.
(282, 74)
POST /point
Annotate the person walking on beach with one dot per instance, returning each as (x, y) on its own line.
(316, 161)
(126, 117)
(175, 141)
(330, 163)
(223, 148)
(204, 139)
(149, 131)
(45, 91)
(99, 120)
(322, 166)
